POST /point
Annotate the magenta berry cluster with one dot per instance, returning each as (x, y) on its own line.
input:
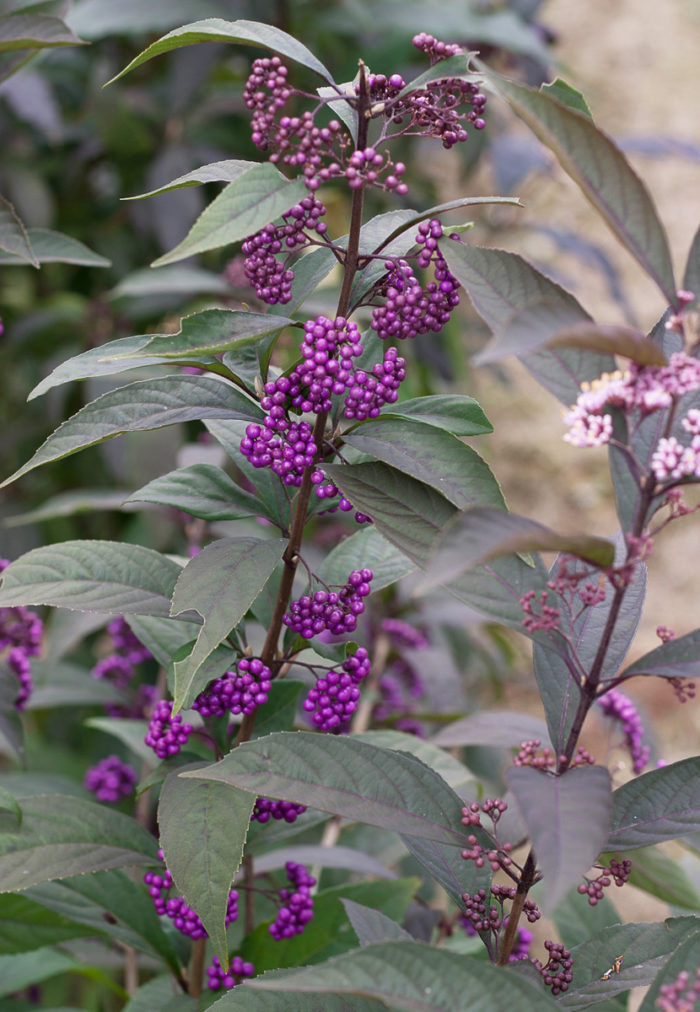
(287, 448)
(218, 978)
(681, 995)
(183, 916)
(111, 779)
(269, 274)
(298, 905)
(267, 808)
(335, 612)
(334, 698)
(241, 692)
(617, 872)
(20, 631)
(166, 734)
(370, 391)
(557, 971)
(327, 350)
(620, 708)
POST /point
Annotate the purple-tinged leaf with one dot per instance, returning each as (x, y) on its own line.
(323, 857)
(34, 31)
(447, 866)
(403, 975)
(220, 583)
(225, 171)
(660, 805)
(372, 926)
(101, 576)
(242, 208)
(407, 512)
(501, 728)
(416, 217)
(603, 174)
(476, 536)
(567, 818)
(452, 771)
(645, 948)
(338, 774)
(654, 872)
(611, 339)
(497, 588)
(691, 277)
(250, 33)
(263, 1001)
(50, 247)
(146, 404)
(202, 490)
(63, 836)
(678, 658)
(433, 456)
(182, 281)
(13, 235)
(203, 829)
(685, 960)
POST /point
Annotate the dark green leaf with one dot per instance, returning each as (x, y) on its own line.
(447, 866)
(407, 512)
(269, 1002)
(577, 920)
(497, 588)
(431, 455)
(372, 925)
(476, 536)
(452, 771)
(278, 713)
(567, 819)
(158, 994)
(202, 490)
(659, 875)
(203, 828)
(458, 66)
(409, 975)
(146, 404)
(61, 684)
(248, 32)
(220, 583)
(456, 413)
(69, 504)
(101, 576)
(163, 636)
(207, 333)
(34, 31)
(25, 925)
(679, 658)
(13, 235)
(366, 549)
(660, 805)
(54, 247)
(604, 175)
(242, 208)
(346, 777)
(214, 172)
(27, 969)
(127, 730)
(63, 836)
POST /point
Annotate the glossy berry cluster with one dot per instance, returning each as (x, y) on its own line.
(236, 693)
(556, 973)
(327, 350)
(111, 780)
(330, 611)
(167, 734)
(265, 93)
(268, 274)
(266, 809)
(20, 631)
(287, 448)
(218, 978)
(487, 916)
(371, 391)
(334, 698)
(617, 872)
(183, 916)
(298, 905)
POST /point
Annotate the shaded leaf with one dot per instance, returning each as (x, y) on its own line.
(13, 235)
(27, 969)
(269, 1002)
(613, 340)
(216, 30)
(242, 208)
(500, 728)
(63, 836)
(604, 175)
(447, 866)
(61, 684)
(163, 637)
(203, 828)
(214, 172)
(101, 576)
(127, 730)
(54, 247)
(691, 277)
(25, 925)
(337, 856)
(146, 404)
(679, 658)
(659, 875)
(9, 803)
(431, 455)
(656, 806)
(34, 31)
(158, 994)
(458, 66)
(202, 490)
(220, 583)
(372, 925)
(69, 504)
(181, 280)
(412, 976)
(456, 413)
(366, 549)
(346, 777)
(407, 512)
(279, 712)
(452, 771)
(567, 819)
(409, 219)
(567, 95)
(476, 536)
(577, 920)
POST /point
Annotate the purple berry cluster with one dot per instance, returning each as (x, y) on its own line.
(120, 668)
(236, 693)
(271, 277)
(334, 698)
(683, 995)
(167, 734)
(371, 391)
(327, 350)
(111, 780)
(266, 809)
(621, 708)
(287, 449)
(617, 872)
(410, 309)
(483, 915)
(183, 917)
(556, 972)
(218, 978)
(265, 93)
(298, 905)
(20, 631)
(330, 611)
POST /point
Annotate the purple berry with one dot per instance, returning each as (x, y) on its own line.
(111, 780)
